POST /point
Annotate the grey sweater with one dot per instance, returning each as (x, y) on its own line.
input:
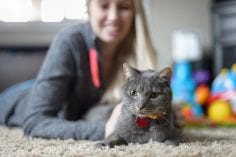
(68, 85)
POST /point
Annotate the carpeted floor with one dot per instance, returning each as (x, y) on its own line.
(212, 142)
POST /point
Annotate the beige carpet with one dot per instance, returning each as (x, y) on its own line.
(212, 142)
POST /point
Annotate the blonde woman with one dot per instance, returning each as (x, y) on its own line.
(82, 68)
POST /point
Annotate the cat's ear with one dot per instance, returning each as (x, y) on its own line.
(129, 71)
(166, 74)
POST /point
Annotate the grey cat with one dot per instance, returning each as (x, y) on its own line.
(146, 112)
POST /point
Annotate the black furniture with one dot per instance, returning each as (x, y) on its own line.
(23, 47)
(224, 34)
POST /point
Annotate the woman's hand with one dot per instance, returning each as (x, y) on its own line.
(110, 125)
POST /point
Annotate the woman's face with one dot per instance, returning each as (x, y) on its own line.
(111, 20)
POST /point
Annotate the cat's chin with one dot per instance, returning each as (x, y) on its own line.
(141, 115)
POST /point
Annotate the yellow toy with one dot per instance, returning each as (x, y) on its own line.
(219, 111)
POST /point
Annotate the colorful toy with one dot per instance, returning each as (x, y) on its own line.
(202, 93)
(222, 101)
(197, 110)
(187, 111)
(219, 84)
(200, 103)
(183, 84)
(225, 81)
(201, 76)
(232, 77)
(219, 111)
(183, 87)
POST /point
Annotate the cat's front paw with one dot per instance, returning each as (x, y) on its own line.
(113, 140)
(114, 143)
(100, 144)
(110, 144)
(171, 142)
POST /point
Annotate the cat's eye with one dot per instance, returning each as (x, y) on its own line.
(133, 93)
(154, 95)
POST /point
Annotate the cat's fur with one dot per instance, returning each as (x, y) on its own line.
(152, 96)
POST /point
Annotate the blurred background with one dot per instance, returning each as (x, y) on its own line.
(196, 37)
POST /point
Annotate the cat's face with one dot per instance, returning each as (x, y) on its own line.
(147, 92)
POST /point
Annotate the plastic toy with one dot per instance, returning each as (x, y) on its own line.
(183, 87)
(200, 103)
(225, 81)
(222, 101)
(187, 111)
(201, 76)
(202, 93)
(197, 110)
(232, 77)
(218, 85)
(183, 84)
(219, 111)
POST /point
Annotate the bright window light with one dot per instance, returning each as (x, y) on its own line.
(46, 10)
(52, 10)
(76, 9)
(15, 10)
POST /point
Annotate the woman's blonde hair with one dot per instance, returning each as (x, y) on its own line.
(137, 50)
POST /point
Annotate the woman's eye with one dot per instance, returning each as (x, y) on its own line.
(104, 6)
(133, 93)
(124, 7)
(154, 95)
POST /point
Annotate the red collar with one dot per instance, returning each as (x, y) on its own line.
(142, 122)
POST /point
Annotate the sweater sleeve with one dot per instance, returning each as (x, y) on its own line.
(49, 94)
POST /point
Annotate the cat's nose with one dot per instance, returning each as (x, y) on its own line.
(141, 108)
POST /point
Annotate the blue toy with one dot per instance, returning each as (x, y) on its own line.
(225, 81)
(183, 84)
(183, 87)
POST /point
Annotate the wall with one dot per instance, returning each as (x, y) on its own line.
(170, 15)
(29, 34)
(166, 16)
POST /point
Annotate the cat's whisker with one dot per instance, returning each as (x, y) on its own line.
(160, 121)
(160, 112)
(163, 121)
(124, 113)
(171, 114)
(149, 110)
(168, 121)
